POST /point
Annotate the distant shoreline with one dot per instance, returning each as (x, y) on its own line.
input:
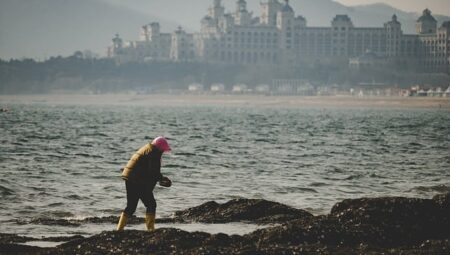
(229, 100)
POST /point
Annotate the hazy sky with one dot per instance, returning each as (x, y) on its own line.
(437, 6)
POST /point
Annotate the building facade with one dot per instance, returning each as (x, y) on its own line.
(279, 36)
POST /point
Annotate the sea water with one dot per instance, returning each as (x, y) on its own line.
(63, 161)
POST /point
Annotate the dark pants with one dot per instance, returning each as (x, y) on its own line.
(136, 191)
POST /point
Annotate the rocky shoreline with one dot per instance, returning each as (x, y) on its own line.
(388, 225)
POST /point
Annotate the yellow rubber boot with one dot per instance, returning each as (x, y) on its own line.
(150, 221)
(122, 222)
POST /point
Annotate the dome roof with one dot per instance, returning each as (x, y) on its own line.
(207, 20)
(446, 24)
(345, 18)
(426, 17)
(287, 7)
(394, 20)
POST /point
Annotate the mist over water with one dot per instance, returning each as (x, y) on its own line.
(63, 161)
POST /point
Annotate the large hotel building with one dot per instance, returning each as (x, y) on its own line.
(278, 36)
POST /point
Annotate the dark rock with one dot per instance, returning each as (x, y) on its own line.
(62, 238)
(358, 226)
(248, 210)
(395, 220)
(77, 223)
(6, 249)
(55, 222)
(443, 200)
(13, 238)
(161, 241)
(319, 230)
(113, 219)
(12, 244)
(239, 210)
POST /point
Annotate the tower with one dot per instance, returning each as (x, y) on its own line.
(242, 16)
(217, 10)
(150, 32)
(269, 10)
(285, 25)
(241, 6)
(393, 36)
(117, 42)
(181, 46)
(144, 34)
(285, 17)
(341, 25)
(426, 24)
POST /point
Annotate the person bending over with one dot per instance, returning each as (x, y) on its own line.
(141, 174)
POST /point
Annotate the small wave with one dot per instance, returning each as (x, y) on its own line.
(5, 191)
(40, 189)
(86, 145)
(264, 140)
(55, 204)
(87, 155)
(353, 177)
(60, 156)
(307, 190)
(185, 154)
(43, 137)
(195, 137)
(436, 188)
(299, 189)
(94, 135)
(177, 166)
(414, 144)
(74, 197)
(318, 184)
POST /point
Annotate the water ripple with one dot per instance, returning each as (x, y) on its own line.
(65, 161)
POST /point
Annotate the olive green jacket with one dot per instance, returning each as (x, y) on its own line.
(144, 166)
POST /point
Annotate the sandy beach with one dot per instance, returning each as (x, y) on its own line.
(229, 100)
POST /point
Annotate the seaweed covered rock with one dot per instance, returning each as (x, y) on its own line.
(160, 241)
(250, 210)
(323, 230)
(12, 244)
(396, 220)
(239, 210)
(174, 241)
(13, 238)
(79, 222)
(390, 225)
(443, 200)
(377, 222)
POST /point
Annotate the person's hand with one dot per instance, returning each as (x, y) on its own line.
(165, 182)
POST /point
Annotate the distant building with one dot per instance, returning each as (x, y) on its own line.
(279, 36)
(195, 87)
(240, 88)
(217, 87)
(262, 88)
(379, 89)
(366, 60)
(422, 93)
(447, 92)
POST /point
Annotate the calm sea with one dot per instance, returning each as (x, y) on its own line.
(63, 161)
